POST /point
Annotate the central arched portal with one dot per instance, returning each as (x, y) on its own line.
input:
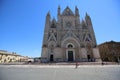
(70, 52)
(71, 46)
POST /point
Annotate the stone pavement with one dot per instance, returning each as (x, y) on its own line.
(56, 66)
(59, 72)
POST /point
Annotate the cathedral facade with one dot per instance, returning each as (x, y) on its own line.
(68, 38)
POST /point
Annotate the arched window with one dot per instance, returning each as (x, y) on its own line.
(53, 25)
(70, 46)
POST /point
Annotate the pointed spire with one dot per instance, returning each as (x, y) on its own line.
(67, 6)
(47, 22)
(76, 11)
(48, 17)
(76, 8)
(88, 19)
(59, 7)
(87, 16)
(48, 14)
(59, 10)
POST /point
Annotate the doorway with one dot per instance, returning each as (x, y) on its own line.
(70, 55)
(89, 58)
(51, 57)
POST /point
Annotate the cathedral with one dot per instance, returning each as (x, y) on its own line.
(69, 39)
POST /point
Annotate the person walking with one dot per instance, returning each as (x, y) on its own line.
(76, 65)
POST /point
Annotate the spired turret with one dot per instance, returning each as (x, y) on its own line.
(88, 20)
(48, 16)
(47, 23)
(89, 24)
(58, 10)
(58, 14)
(76, 11)
(77, 20)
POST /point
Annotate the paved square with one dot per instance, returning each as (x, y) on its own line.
(59, 72)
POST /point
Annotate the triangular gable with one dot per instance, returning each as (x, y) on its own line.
(52, 37)
(67, 11)
(87, 38)
(70, 34)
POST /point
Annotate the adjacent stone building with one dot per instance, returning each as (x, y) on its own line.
(68, 38)
(110, 51)
(6, 57)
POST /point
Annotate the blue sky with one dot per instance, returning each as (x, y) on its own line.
(22, 21)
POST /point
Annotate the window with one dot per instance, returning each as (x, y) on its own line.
(53, 25)
(70, 46)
